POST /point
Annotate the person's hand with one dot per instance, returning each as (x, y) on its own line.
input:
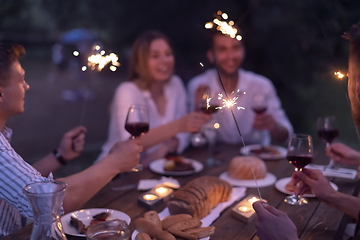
(199, 93)
(72, 143)
(273, 224)
(342, 153)
(192, 122)
(314, 181)
(126, 155)
(264, 122)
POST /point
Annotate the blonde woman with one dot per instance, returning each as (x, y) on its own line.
(153, 84)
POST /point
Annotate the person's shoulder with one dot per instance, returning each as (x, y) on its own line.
(127, 86)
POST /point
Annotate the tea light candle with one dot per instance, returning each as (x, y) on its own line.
(154, 197)
(253, 199)
(150, 197)
(162, 191)
(244, 210)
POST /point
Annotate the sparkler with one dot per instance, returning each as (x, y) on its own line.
(223, 26)
(229, 103)
(230, 106)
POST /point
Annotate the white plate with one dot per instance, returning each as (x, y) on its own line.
(280, 185)
(158, 167)
(267, 181)
(86, 215)
(266, 156)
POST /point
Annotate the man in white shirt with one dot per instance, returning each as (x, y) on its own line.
(227, 54)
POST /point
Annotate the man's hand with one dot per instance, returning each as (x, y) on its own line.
(72, 143)
(342, 153)
(264, 122)
(273, 224)
(314, 181)
(126, 155)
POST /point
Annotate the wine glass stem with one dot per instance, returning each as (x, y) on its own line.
(331, 164)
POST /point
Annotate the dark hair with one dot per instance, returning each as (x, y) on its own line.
(9, 53)
(140, 53)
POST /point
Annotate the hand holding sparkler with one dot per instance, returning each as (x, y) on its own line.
(72, 143)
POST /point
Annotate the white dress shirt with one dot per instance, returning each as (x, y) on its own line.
(127, 94)
(15, 174)
(248, 84)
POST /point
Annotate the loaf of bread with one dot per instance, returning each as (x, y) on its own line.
(199, 196)
(240, 168)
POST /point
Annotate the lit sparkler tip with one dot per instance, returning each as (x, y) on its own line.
(226, 28)
(339, 75)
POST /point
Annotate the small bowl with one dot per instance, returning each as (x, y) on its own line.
(109, 230)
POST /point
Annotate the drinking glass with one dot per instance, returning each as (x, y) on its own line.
(299, 154)
(209, 103)
(137, 123)
(327, 130)
(259, 106)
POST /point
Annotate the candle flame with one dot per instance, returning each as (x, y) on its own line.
(223, 26)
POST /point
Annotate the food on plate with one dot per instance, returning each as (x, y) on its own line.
(199, 196)
(177, 164)
(182, 226)
(290, 187)
(240, 168)
(78, 225)
(81, 227)
(265, 150)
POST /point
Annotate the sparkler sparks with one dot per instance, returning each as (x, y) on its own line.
(231, 102)
(225, 27)
(339, 75)
(99, 60)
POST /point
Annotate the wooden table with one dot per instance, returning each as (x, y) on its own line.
(313, 221)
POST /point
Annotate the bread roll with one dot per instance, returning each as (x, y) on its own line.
(240, 168)
(199, 196)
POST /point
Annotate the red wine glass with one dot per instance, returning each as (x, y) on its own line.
(137, 123)
(209, 103)
(327, 130)
(299, 154)
(259, 106)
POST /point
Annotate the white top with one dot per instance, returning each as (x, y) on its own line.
(127, 94)
(251, 84)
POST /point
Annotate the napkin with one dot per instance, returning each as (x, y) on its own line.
(336, 172)
(237, 194)
(146, 184)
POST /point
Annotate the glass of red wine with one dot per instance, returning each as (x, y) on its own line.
(210, 104)
(299, 154)
(259, 106)
(327, 130)
(137, 123)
